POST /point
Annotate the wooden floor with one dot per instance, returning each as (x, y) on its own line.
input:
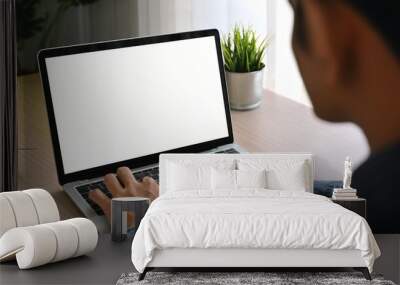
(279, 125)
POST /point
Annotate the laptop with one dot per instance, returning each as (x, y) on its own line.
(123, 102)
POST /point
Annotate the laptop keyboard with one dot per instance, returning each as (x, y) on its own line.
(229, 150)
(152, 172)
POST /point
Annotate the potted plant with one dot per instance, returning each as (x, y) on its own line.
(243, 56)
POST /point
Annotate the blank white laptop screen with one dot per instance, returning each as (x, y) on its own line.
(124, 103)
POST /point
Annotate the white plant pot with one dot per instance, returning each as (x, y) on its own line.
(245, 89)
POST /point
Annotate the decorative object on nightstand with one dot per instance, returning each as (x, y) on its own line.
(243, 57)
(357, 205)
(120, 207)
(346, 193)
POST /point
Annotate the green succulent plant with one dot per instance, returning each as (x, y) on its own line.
(242, 50)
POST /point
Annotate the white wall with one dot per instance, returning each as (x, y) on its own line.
(287, 78)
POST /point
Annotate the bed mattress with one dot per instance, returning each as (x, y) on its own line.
(250, 219)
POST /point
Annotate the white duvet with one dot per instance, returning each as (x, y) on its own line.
(250, 219)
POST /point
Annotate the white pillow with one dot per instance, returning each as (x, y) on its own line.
(181, 177)
(193, 173)
(223, 179)
(293, 178)
(227, 179)
(251, 178)
(282, 174)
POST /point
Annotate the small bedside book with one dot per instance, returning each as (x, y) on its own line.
(344, 194)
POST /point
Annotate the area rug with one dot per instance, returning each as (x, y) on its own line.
(269, 278)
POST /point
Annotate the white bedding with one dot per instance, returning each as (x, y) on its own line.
(251, 218)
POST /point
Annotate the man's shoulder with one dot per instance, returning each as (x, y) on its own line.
(380, 171)
(383, 163)
(378, 180)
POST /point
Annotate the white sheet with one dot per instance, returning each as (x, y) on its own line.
(251, 218)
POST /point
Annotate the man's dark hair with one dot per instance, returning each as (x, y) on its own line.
(384, 16)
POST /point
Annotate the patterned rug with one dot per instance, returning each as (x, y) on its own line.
(269, 278)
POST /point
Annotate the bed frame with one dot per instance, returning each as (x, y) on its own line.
(256, 259)
(250, 259)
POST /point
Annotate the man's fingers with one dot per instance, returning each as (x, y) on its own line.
(102, 200)
(154, 191)
(152, 188)
(148, 180)
(125, 176)
(113, 185)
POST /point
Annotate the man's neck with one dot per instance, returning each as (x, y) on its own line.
(380, 119)
(378, 106)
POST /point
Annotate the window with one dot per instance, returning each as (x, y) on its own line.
(269, 18)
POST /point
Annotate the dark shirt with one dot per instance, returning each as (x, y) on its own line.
(378, 181)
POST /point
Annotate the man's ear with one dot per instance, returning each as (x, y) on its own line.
(332, 39)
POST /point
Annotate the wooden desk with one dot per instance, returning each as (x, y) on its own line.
(279, 125)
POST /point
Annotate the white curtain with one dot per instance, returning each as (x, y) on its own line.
(270, 18)
(287, 78)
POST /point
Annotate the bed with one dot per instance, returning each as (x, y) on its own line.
(247, 211)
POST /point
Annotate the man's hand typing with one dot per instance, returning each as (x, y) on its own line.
(124, 184)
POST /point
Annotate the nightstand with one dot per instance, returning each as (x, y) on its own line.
(357, 205)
